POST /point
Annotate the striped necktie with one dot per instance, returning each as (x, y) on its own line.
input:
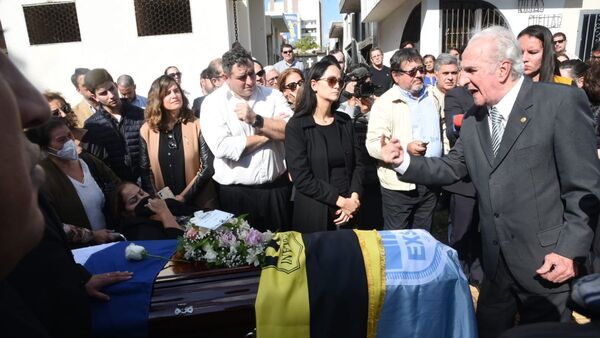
(496, 129)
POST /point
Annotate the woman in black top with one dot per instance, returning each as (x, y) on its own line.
(322, 155)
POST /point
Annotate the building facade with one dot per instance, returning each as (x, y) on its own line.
(48, 40)
(436, 25)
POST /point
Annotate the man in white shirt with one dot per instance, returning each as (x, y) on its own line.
(537, 179)
(244, 126)
(289, 61)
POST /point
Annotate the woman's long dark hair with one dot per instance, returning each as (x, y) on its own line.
(545, 36)
(307, 102)
(40, 135)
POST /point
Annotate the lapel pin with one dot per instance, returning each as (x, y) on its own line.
(523, 119)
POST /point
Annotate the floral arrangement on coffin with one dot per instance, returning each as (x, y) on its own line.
(234, 243)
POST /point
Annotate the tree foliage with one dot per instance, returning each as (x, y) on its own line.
(306, 43)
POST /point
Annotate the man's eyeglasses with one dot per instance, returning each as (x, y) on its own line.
(293, 85)
(177, 74)
(272, 80)
(287, 52)
(558, 41)
(332, 81)
(260, 73)
(413, 72)
(66, 108)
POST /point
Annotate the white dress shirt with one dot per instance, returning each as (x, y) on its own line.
(504, 106)
(226, 136)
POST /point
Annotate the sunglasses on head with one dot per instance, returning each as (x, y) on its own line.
(293, 85)
(413, 72)
(65, 108)
(332, 81)
(178, 74)
(260, 73)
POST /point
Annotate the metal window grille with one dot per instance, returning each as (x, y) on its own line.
(590, 34)
(159, 17)
(531, 6)
(51, 23)
(461, 20)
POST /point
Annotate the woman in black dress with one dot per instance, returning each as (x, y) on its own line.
(322, 155)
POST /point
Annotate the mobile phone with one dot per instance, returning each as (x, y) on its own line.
(165, 193)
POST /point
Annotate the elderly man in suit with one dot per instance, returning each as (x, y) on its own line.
(529, 150)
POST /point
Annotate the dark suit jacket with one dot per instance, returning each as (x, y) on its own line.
(306, 156)
(197, 105)
(538, 194)
(457, 101)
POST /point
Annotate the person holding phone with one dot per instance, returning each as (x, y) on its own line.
(173, 152)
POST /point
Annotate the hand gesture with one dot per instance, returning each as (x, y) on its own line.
(104, 236)
(158, 206)
(557, 268)
(245, 113)
(98, 282)
(391, 152)
(417, 148)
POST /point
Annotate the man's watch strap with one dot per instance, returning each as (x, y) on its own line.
(259, 121)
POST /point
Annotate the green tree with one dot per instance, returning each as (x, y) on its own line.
(306, 43)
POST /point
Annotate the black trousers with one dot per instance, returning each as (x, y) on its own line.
(267, 205)
(501, 298)
(413, 208)
(464, 236)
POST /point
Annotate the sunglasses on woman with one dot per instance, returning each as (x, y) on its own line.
(332, 81)
(293, 85)
(65, 108)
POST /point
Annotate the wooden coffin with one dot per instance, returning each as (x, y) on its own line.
(187, 302)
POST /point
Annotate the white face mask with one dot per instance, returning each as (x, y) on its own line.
(67, 152)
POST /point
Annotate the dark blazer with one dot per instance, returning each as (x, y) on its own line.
(306, 154)
(51, 285)
(540, 192)
(457, 101)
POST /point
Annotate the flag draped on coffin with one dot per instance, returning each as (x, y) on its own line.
(348, 283)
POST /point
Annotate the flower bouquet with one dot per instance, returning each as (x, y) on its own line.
(232, 244)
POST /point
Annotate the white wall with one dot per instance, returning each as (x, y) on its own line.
(109, 40)
(392, 27)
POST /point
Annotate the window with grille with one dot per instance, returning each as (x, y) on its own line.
(51, 23)
(590, 33)
(159, 17)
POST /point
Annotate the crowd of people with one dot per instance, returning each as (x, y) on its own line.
(506, 135)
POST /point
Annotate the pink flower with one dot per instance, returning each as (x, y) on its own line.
(191, 233)
(227, 238)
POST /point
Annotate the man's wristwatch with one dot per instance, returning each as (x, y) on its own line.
(258, 121)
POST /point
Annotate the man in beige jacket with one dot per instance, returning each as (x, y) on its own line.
(88, 105)
(408, 112)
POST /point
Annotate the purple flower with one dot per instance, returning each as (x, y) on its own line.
(254, 237)
(227, 238)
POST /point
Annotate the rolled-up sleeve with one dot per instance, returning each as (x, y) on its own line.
(216, 132)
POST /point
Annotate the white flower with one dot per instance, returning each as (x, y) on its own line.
(210, 256)
(135, 252)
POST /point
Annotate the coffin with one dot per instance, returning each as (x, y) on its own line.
(188, 301)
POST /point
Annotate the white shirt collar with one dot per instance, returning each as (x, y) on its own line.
(506, 104)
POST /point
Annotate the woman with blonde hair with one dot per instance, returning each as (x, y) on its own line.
(173, 152)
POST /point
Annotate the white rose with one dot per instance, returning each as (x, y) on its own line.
(135, 252)
(210, 256)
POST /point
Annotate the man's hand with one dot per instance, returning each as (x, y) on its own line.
(416, 148)
(557, 268)
(98, 282)
(104, 236)
(245, 113)
(391, 152)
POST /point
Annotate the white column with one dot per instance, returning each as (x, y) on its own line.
(431, 35)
